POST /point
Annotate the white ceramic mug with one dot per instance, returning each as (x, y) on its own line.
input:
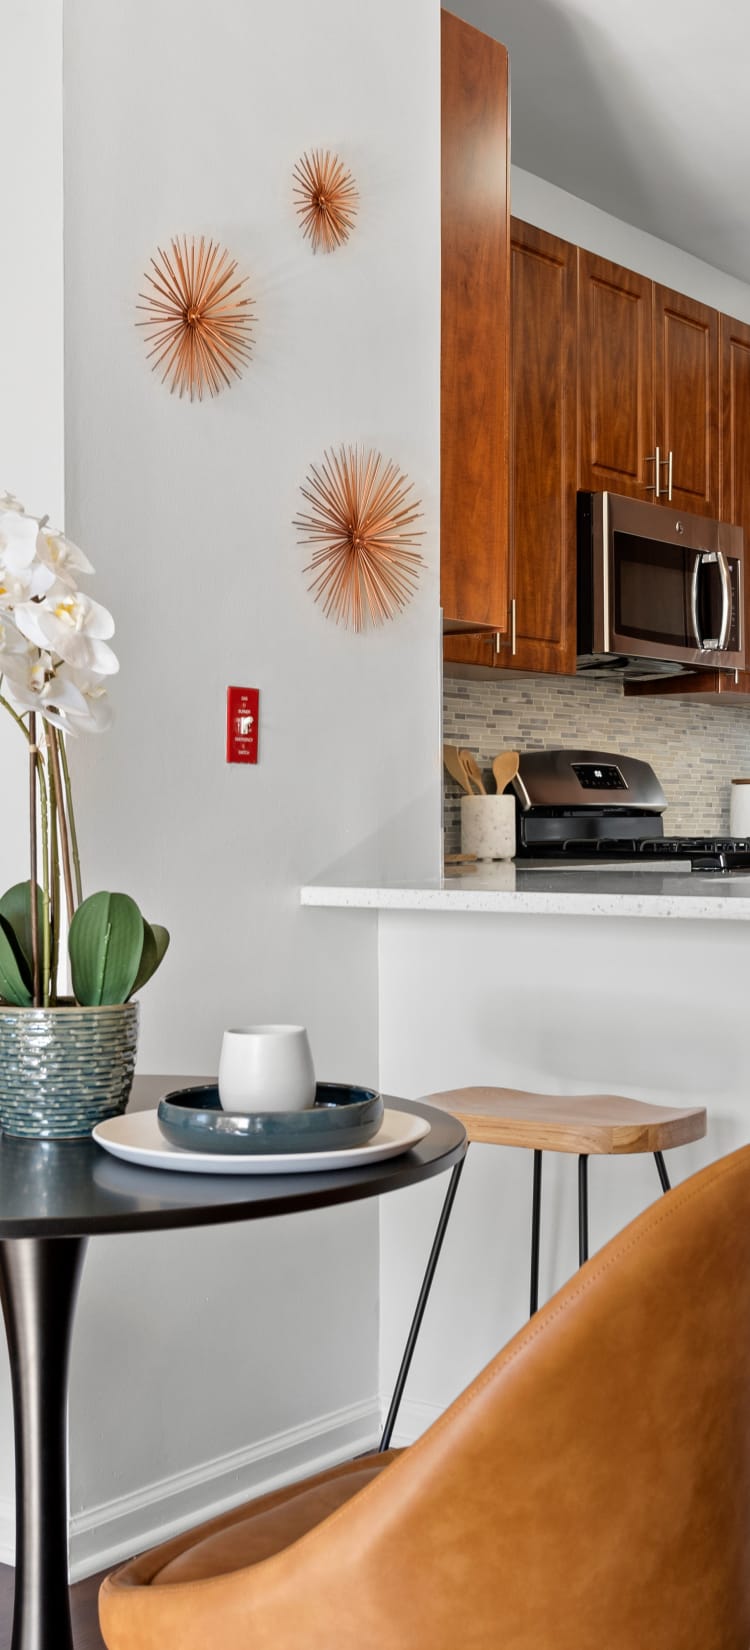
(266, 1068)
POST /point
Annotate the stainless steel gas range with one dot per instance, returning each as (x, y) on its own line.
(579, 808)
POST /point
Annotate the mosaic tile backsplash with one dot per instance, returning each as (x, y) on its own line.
(695, 748)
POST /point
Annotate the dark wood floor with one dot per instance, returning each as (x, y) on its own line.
(86, 1635)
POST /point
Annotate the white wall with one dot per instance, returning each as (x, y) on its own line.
(31, 334)
(541, 203)
(239, 1344)
(31, 386)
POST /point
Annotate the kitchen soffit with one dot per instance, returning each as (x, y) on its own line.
(640, 108)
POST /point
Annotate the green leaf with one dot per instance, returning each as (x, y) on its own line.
(155, 942)
(13, 987)
(15, 906)
(105, 944)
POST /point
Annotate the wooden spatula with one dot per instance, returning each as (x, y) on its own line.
(505, 768)
(474, 772)
(456, 768)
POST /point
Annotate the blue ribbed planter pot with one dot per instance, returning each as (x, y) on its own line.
(64, 1069)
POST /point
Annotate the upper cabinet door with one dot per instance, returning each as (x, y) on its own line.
(475, 557)
(543, 453)
(616, 451)
(734, 502)
(735, 426)
(686, 400)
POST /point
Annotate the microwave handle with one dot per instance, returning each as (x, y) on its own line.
(720, 559)
(726, 599)
(694, 599)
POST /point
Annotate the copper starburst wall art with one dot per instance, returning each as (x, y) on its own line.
(326, 199)
(365, 565)
(199, 329)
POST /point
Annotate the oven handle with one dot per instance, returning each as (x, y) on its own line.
(726, 597)
(694, 599)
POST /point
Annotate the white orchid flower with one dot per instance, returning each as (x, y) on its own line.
(9, 502)
(13, 647)
(97, 715)
(17, 540)
(14, 588)
(61, 556)
(73, 627)
(34, 686)
(22, 575)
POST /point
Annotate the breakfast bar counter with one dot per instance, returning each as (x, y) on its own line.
(518, 890)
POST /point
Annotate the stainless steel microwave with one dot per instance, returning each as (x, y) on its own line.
(659, 592)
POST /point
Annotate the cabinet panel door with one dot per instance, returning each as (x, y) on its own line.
(735, 445)
(686, 398)
(616, 383)
(543, 461)
(543, 449)
(474, 447)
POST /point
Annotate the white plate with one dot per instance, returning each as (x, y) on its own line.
(137, 1138)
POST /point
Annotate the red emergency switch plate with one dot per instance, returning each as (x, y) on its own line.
(242, 724)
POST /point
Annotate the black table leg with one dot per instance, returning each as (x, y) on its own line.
(38, 1285)
(424, 1293)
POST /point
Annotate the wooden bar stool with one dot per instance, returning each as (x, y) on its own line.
(584, 1125)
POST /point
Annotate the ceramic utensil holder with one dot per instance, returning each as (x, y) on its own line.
(488, 826)
(739, 807)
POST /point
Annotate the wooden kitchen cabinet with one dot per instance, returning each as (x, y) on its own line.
(686, 400)
(731, 499)
(615, 364)
(649, 389)
(474, 390)
(543, 459)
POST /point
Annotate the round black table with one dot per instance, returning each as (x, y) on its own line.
(53, 1197)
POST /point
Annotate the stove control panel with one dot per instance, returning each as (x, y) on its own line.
(595, 776)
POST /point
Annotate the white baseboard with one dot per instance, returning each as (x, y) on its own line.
(105, 1535)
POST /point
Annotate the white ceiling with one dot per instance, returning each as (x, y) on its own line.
(640, 106)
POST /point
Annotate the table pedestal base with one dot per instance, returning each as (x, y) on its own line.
(38, 1286)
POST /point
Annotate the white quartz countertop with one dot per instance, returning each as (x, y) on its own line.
(577, 892)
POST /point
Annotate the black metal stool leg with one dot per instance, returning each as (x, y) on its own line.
(666, 1184)
(583, 1210)
(424, 1292)
(536, 1222)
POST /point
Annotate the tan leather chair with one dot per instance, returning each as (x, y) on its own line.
(589, 1491)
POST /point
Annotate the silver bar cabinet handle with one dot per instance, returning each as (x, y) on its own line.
(654, 486)
(666, 464)
(498, 640)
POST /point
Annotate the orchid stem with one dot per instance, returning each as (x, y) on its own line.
(54, 879)
(62, 822)
(71, 817)
(33, 903)
(48, 972)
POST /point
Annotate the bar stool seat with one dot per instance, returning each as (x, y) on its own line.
(585, 1125)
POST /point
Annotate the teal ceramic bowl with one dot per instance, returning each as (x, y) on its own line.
(341, 1117)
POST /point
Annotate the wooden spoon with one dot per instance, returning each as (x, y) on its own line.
(473, 771)
(505, 768)
(456, 768)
